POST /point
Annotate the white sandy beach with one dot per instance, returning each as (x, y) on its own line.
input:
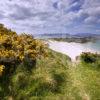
(71, 49)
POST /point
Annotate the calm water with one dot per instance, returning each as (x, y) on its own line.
(95, 46)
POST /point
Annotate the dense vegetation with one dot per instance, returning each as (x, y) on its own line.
(88, 57)
(17, 50)
(31, 71)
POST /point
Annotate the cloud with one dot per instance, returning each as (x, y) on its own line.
(91, 20)
(1, 16)
(92, 8)
(49, 15)
(21, 13)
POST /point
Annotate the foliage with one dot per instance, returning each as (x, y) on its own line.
(89, 57)
(16, 49)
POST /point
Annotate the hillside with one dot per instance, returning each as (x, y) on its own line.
(29, 70)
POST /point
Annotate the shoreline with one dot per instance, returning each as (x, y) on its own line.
(71, 49)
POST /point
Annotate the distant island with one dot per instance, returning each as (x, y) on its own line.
(78, 38)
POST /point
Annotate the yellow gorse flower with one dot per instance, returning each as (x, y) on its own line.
(2, 67)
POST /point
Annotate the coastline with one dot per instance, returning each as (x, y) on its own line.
(71, 49)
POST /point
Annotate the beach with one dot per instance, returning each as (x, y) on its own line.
(72, 49)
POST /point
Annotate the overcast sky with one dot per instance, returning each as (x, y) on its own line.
(51, 16)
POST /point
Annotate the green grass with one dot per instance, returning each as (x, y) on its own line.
(47, 79)
(90, 79)
(55, 78)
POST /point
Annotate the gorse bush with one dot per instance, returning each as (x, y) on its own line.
(16, 49)
(89, 57)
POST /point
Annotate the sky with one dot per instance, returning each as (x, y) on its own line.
(51, 16)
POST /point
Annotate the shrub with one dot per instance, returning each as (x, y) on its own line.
(89, 57)
(16, 49)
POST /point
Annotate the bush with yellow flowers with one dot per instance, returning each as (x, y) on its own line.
(16, 49)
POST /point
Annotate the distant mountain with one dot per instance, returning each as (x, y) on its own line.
(66, 35)
(87, 35)
(52, 35)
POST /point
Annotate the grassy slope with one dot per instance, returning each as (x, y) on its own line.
(56, 78)
(48, 79)
(82, 80)
(89, 77)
